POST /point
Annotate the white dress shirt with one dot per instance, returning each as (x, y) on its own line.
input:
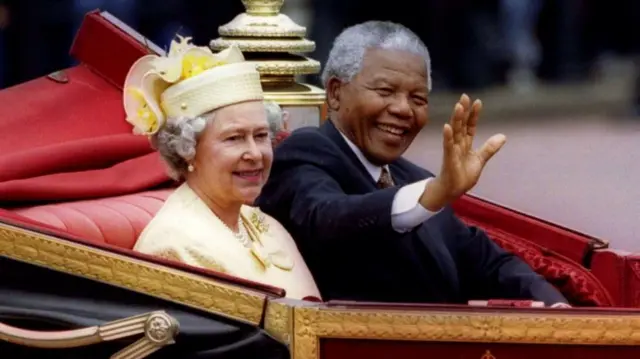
(406, 211)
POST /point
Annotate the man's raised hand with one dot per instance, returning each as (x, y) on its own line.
(461, 164)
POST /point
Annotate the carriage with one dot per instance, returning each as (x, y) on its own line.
(72, 287)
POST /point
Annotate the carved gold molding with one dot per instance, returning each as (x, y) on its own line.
(263, 29)
(263, 7)
(258, 45)
(278, 320)
(137, 275)
(312, 97)
(312, 324)
(285, 67)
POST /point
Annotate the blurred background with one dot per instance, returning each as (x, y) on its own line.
(559, 77)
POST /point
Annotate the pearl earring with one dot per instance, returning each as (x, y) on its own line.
(190, 168)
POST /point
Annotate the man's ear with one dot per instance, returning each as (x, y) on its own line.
(333, 88)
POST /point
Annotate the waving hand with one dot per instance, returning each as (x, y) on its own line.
(462, 165)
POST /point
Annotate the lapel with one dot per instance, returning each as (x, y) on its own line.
(330, 130)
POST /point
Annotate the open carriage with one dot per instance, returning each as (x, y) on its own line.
(71, 287)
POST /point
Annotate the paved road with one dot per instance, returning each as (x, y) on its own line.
(582, 172)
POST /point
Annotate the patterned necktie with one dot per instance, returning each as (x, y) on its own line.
(385, 180)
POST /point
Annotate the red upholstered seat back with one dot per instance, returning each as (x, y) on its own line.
(577, 283)
(117, 220)
(552, 251)
(114, 220)
(120, 220)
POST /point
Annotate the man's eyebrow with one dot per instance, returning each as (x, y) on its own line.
(379, 80)
(422, 90)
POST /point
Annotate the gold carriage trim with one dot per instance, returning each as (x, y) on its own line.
(313, 323)
(278, 319)
(133, 274)
(159, 329)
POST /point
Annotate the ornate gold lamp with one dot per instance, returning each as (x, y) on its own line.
(276, 44)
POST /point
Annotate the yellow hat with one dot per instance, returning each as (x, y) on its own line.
(189, 81)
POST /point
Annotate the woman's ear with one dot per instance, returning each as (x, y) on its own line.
(334, 85)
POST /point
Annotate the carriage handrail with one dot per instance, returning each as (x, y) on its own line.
(159, 329)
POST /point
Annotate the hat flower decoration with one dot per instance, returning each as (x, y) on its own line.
(189, 81)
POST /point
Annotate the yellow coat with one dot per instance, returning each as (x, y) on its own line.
(186, 230)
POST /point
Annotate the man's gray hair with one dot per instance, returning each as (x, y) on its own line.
(177, 139)
(347, 54)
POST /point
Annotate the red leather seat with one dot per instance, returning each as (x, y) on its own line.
(117, 220)
(120, 220)
(553, 252)
(577, 283)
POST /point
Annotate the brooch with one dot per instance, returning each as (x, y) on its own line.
(258, 220)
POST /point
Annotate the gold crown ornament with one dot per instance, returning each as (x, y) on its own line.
(190, 81)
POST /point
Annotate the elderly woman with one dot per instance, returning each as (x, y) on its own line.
(205, 115)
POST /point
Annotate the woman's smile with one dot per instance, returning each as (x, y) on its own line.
(253, 176)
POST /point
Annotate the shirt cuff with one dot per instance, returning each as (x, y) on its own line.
(406, 210)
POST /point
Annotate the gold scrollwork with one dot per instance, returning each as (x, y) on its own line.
(312, 324)
(262, 30)
(282, 67)
(279, 320)
(144, 277)
(295, 46)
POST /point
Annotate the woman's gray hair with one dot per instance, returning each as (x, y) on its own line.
(275, 117)
(347, 54)
(177, 139)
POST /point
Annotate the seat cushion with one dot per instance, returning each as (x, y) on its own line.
(576, 283)
(115, 220)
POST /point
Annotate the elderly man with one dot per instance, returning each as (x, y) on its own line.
(371, 225)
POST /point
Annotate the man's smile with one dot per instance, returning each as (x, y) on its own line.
(394, 130)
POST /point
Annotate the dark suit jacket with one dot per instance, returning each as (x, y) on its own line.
(322, 194)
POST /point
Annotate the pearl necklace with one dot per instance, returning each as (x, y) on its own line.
(241, 235)
(256, 248)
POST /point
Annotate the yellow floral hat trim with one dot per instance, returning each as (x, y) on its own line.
(185, 61)
(151, 75)
(145, 121)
